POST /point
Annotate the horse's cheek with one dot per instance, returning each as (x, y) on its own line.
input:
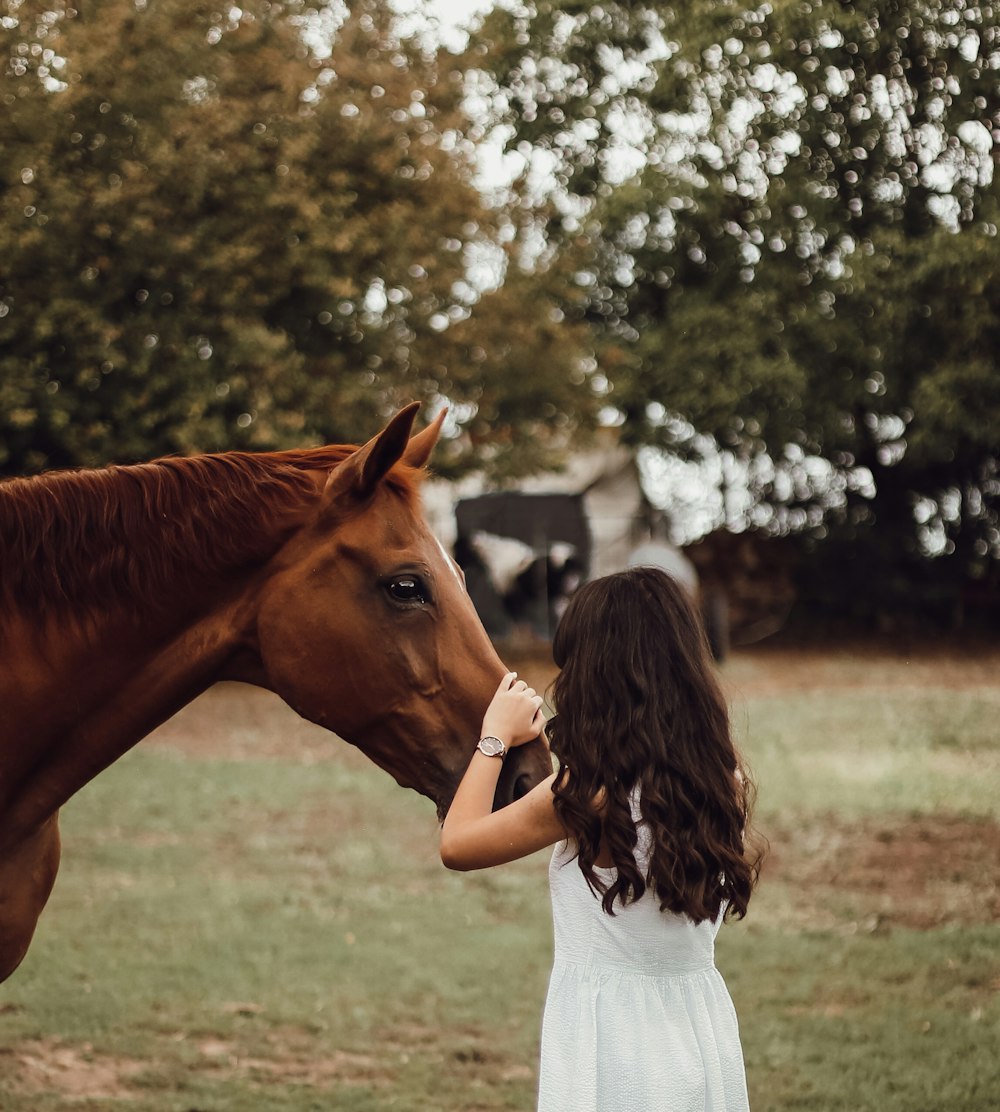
(304, 658)
(413, 654)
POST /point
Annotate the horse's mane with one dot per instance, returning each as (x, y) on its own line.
(128, 535)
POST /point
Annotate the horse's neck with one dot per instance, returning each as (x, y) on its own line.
(74, 700)
(101, 646)
(127, 576)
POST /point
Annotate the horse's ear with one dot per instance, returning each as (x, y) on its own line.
(364, 469)
(418, 450)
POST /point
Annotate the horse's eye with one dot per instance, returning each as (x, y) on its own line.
(407, 588)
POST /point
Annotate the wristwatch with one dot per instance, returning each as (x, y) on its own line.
(492, 747)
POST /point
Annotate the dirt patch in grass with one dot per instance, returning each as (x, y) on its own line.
(773, 670)
(49, 1066)
(282, 1056)
(468, 1051)
(291, 1057)
(286, 1057)
(875, 874)
(277, 1057)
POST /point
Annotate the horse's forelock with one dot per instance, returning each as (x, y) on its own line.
(130, 534)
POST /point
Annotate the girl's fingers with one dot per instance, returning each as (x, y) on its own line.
(506, 682)
(511, 683)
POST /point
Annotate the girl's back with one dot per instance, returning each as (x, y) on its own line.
(638, 1018)
(638, 938)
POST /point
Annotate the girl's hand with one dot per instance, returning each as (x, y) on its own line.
(515, 713)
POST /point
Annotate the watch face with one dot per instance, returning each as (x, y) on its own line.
(491, 746)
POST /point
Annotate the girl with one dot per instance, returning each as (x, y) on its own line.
(647, 813)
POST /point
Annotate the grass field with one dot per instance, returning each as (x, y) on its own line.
(251, 916)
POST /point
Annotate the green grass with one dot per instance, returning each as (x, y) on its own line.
(867, 752)
(234, 932)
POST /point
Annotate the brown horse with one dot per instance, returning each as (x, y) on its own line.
(128, 591)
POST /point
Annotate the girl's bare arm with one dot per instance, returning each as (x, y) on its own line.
(475, 837)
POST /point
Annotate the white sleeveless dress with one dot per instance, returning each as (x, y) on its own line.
(637, 1018)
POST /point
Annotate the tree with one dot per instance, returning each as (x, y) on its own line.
(252, 230)
(792, 217)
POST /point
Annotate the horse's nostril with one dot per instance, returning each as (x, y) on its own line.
(508, 790)
(522, 785)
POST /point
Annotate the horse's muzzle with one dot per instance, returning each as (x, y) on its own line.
(523, 768)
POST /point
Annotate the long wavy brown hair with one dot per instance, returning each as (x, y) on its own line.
(639, 707)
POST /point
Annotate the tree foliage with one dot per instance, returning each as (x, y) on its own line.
(254, 229)
(791, 211)
(775, 224)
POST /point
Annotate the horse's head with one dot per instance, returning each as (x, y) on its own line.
(365, 626)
